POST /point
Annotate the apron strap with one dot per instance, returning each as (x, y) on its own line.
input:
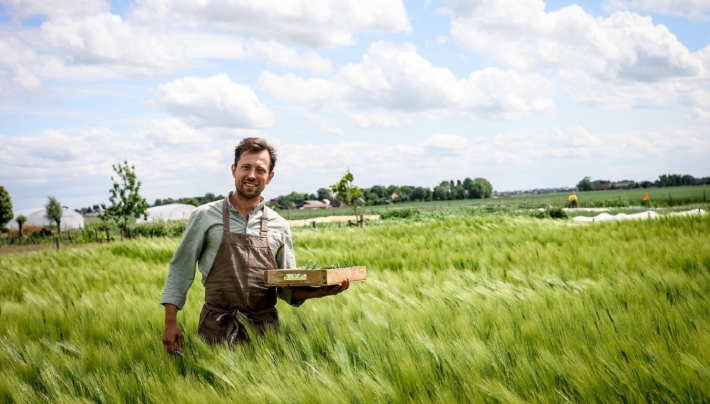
(225, 214)
(264, 222)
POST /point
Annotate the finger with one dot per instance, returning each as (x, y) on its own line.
(179, 341)
(169, 346)
(334, 290)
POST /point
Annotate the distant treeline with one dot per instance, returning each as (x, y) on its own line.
(378, 194)
(676, 180)
(665, 180)
(195, 200)
(445, 191)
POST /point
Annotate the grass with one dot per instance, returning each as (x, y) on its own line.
(455, 309)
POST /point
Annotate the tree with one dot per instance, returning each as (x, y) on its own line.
(379, 190)
(21, 219)
(124, 197)
(293, 199)
(346, 191)
(405, 193)
(458, 192)
(441, 192)
(480, 188)
(324, 193)
(421, 194)
(53, 212)
(585, 184)
(5, 207)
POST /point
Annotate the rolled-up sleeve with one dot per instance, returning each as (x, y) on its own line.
(181, 272)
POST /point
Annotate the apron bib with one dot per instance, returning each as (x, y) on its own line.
(235, 295)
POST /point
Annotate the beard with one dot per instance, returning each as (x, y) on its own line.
(249, 196)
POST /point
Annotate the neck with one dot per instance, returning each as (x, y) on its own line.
(243, 205)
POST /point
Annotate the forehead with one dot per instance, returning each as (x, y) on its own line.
(261, 158)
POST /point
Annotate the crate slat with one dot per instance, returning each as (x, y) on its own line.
(313, 277)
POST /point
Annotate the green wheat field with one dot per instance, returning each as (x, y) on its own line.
(455, 309)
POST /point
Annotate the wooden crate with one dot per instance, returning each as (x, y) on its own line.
(313, 277)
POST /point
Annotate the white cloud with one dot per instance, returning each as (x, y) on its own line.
(203, 45)
(29, 8)
(442, 143)
(374, 120)
(700, 115)
(397, 79)
(44, 157)
(623, 49)
(318, 93)
(215, 101)
(566, 154)
(106, 46)
(172, 132)
(326, 125)
(15, 57)
(25, 63)
(76, 166)
(26, 79)
(105, 39)
(309, 22)
(692, 9)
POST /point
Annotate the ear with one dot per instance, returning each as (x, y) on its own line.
(271, 175)
(234, 171)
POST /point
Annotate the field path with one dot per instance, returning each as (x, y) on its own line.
(329, 219)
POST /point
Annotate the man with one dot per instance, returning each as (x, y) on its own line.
(233, 241)
(572, 200)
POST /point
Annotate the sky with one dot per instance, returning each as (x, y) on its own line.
(525, 93)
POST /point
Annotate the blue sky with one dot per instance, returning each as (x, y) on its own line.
(525, 93)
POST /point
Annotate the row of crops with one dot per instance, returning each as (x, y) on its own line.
(456, 308)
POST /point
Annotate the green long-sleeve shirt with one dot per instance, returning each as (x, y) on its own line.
(202, 238)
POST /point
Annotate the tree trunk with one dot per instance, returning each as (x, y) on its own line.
(20, 226)
(59, 227)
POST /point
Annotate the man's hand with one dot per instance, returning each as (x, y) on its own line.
(305, 293)
(333, 290)
(172, 337)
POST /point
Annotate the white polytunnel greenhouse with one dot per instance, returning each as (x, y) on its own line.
(71, 220)
(173, 211)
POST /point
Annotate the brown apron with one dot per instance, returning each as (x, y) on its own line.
(236, 299)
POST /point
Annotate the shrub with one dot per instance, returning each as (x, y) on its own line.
(540, 214)
(400, 213)
(557, 213)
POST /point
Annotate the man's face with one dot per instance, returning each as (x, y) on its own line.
(251, 174)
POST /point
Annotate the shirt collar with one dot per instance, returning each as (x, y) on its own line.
(259, 206)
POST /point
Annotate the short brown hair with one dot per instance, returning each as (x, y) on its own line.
(255, 145)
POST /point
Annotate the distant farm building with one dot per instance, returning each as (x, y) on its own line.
(601, 185)
(324, 204)
(624, 184)
(173, 211)
(71, 220)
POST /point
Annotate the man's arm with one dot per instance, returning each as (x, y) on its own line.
(181, 274)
